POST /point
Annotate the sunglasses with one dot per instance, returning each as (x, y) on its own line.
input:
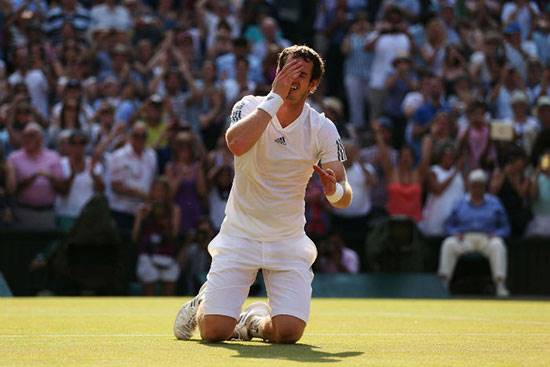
(141, 136)
(77, 142)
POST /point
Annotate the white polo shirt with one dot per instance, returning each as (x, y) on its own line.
(266, 202)
(136, 172)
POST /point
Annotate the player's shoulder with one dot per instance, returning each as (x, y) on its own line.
(249, 100)
(244, 106)
(319, 121)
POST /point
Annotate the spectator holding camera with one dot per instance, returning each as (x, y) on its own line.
(475, 137)
(433, 52)
(187, 180)
(445, 189)
(155, 231)
(525, 126)
(511, 185)
(390, 40)
(82, 178)
(357, 69)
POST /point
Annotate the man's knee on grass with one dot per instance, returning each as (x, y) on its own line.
(216, 328)
(287, 329)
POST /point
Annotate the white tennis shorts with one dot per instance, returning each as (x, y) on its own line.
(152, 268)
(286, 269)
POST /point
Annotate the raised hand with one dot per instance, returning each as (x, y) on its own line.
(328, 179)
(284, 78)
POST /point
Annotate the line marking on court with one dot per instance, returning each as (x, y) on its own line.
(306, 334)
(440, 317)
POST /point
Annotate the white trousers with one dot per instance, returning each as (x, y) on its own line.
(491, 247)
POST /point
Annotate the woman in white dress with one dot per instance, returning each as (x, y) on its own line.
(445, 189)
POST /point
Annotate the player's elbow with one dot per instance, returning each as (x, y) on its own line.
(235, 144)
(236, 148)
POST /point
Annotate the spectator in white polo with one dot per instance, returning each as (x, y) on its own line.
(478, 223)
(130, 173)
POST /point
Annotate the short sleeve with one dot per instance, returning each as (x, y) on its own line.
(242, 108)
(331, 148)
(56, 168)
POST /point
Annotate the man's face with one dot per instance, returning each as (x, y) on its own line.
(303, 85)
(31, 140)
(477, 189)
(76, 146)
(138, 138)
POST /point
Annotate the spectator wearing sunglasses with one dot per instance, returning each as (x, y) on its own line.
(82, 178)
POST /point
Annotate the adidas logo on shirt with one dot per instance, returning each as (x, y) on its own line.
(281, 140)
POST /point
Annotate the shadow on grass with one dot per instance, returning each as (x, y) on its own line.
(295, 352)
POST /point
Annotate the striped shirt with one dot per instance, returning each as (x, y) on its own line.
(57, 17)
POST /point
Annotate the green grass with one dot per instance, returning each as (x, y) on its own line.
(365, 332)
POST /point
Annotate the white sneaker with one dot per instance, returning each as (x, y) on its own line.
(186, 321)
(248, 325)
(502, 291)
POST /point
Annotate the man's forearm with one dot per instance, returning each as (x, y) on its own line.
(244, 134)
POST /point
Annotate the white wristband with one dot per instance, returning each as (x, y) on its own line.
(271, 103)
(337, 195)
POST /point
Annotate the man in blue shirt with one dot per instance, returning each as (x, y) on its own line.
(478, 223)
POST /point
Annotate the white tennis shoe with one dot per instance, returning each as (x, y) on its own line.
(186, 320)
(248, 326)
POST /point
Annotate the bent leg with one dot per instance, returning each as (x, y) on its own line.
(496, 251)
(283, 329)
(451, 249)
(215, 328)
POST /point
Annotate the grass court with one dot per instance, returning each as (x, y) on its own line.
(341, 332)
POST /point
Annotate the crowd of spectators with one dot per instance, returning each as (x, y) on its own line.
(130, 99)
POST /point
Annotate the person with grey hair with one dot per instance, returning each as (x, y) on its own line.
(36, 178)
(130, 174)
(478, 223)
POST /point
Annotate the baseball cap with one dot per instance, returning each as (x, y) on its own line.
(543, 101)
(477, 175)
(519, 96)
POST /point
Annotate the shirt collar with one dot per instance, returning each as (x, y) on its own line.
(469, 198)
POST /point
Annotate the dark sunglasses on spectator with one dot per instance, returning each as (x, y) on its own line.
(141, 136)
(77, 142)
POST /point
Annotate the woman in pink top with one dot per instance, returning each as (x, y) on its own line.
(475, 140)
(405, 180)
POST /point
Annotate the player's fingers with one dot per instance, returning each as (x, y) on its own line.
(330, 172)
(326, 177)
(321, 172)
(285, 69)
(292, 69)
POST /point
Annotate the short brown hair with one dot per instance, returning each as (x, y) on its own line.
(306, 53)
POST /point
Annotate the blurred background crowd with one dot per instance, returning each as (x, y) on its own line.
(117, 109)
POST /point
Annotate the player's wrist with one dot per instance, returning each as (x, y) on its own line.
(271, 103)
(337, 194)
